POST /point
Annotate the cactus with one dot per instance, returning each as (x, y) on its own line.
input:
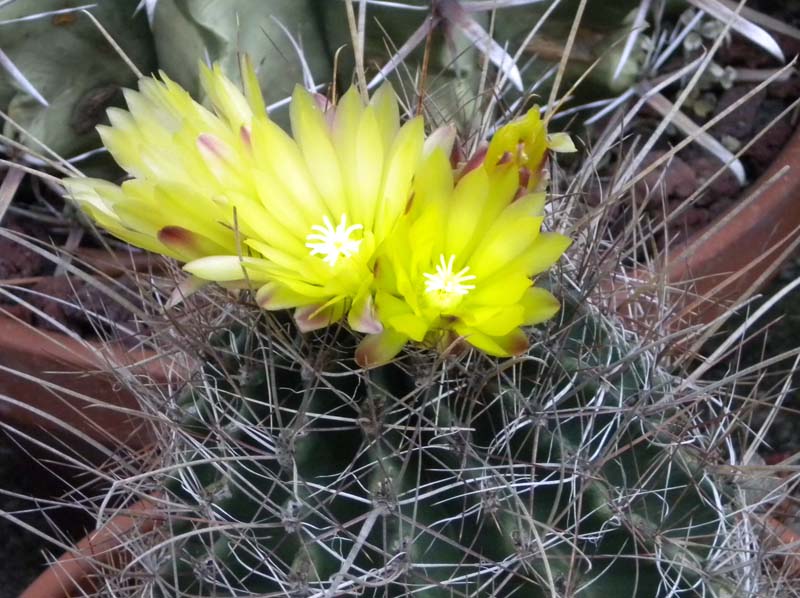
(75, 70)
(188, 31)
(296, 474)
(454, 56)
(292, 471)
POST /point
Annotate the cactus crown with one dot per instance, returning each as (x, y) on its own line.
(295, 473)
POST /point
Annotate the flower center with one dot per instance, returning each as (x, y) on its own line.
(446, 288)
(333, 242)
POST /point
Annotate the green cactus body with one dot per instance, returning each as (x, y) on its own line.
(464, 479)
(68, 61)
(455, 65)
(188, 31)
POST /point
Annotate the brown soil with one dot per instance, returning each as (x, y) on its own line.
(26, 276)
(668, 187)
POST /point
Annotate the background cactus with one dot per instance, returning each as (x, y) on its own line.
(70, 64)
(187, 31)
(556, 474)
(299, 41)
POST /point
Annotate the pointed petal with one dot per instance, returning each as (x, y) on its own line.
(345, 122)
(188, 205)
(562, 143)
(502, 244)
(378, 349)
(368, 166)
(362, 316)
(494, 320)
(278, 202)
(187, 287)
(274, 296)
(189, 243)
(387, 113)
(503, 185)
(539, 305)
(252, 88)
(255, 221)
(433, 183)
(313, 136)
(464, 211)
(543, 253)
(314, 317)
(400, 166)
(288, 186)
(505, 287)
(511, 234)
(228, 268)
(226, 97)
(443, 138)
(398, 315)
(514, 343)
(96, 194)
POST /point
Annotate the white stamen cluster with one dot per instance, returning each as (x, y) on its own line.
(446, 285)
(333, 242)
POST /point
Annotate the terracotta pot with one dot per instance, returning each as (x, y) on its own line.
(731, 259)
(752, 239)
(51, 382)
(71, 575)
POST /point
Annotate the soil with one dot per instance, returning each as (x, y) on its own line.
(57, 300)
(666, 189)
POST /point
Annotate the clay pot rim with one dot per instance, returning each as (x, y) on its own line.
(732, 257)
(85, 364)
(71, 573)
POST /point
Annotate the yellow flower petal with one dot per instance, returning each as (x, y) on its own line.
(313, 136)
(494, 320)
(443, 138)
(503, 186)
(561, 142)
(540, 305)
(225, 96)
(188, 243)
(274, 150)
(504, 288)
(314, 317)
(225, 268)
(542, 253)
(514, 343)
(274, 296)
(402, 161)
(503, 244)
(378, 349)
(362, 316)
(464, 211)
(399, 316)
(252, 89)
(387, 114)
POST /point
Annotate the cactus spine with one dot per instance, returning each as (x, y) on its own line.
(295, 474)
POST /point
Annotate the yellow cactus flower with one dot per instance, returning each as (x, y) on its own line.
(175, 202)
(524, 143)
(245, 203)
(322, 201)
(461, 262)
